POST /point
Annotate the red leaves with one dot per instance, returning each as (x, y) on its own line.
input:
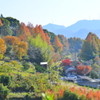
(61, 93)
(83, 69)
(49, 92)
(66, 62)
(90, 95)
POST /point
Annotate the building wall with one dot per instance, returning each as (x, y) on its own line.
(90, 84)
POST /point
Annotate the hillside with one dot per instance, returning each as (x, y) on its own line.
(79, 29)
(24, 47)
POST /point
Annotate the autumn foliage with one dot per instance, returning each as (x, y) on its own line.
(19, 47)
(12, 40)
(83, 69)
(23, 29)
(33, 45)
(71, 92)
(1, 23)
(23, 32)
(38, 30)
(89, 94)
(57, 44)
(2, 46)
(66, 62)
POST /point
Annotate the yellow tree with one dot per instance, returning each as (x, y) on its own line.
(1, 23)
(2, 48)
(20, 49)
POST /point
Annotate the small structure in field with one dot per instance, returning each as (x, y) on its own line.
(44, 64)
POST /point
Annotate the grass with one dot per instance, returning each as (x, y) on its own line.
(18, 94)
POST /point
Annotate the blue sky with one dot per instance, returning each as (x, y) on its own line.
(61, 12)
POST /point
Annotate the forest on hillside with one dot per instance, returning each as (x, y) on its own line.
(28, 38)
(23, 47)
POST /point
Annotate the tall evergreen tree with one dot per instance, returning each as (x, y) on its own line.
(14, 23)
(5, 28)
(90, 47)
(75, 44)
(1, 16)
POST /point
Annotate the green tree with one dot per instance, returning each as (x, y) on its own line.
(4, 91)
(51, 35)
(34, 54)
(1, 16)
(14, 23)
(43, 48)
(95, 71)
(75, 44)
(6, 79)
(91, 47)
(5, 28)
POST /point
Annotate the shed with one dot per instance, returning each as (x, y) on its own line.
(44, 64)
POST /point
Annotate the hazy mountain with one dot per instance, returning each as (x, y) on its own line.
(53, 27)
(79, 29)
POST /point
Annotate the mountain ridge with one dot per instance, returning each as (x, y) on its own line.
(79, 29)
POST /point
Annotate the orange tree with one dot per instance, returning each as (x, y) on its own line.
(2, 48)
(57, 44)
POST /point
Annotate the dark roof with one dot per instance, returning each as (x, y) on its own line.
(66, 67)
(87, 78)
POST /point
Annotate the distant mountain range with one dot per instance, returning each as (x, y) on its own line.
(80, 29)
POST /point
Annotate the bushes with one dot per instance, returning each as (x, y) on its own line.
(23, 84)
(68, 95)
(32, 97)
(94, 74)
(5, 79)
(39, 68)
(62, 95)
(26, 65)
(3, 92)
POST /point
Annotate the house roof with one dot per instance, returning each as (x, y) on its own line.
(87, 78)
(43, 63)
(66, 67)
